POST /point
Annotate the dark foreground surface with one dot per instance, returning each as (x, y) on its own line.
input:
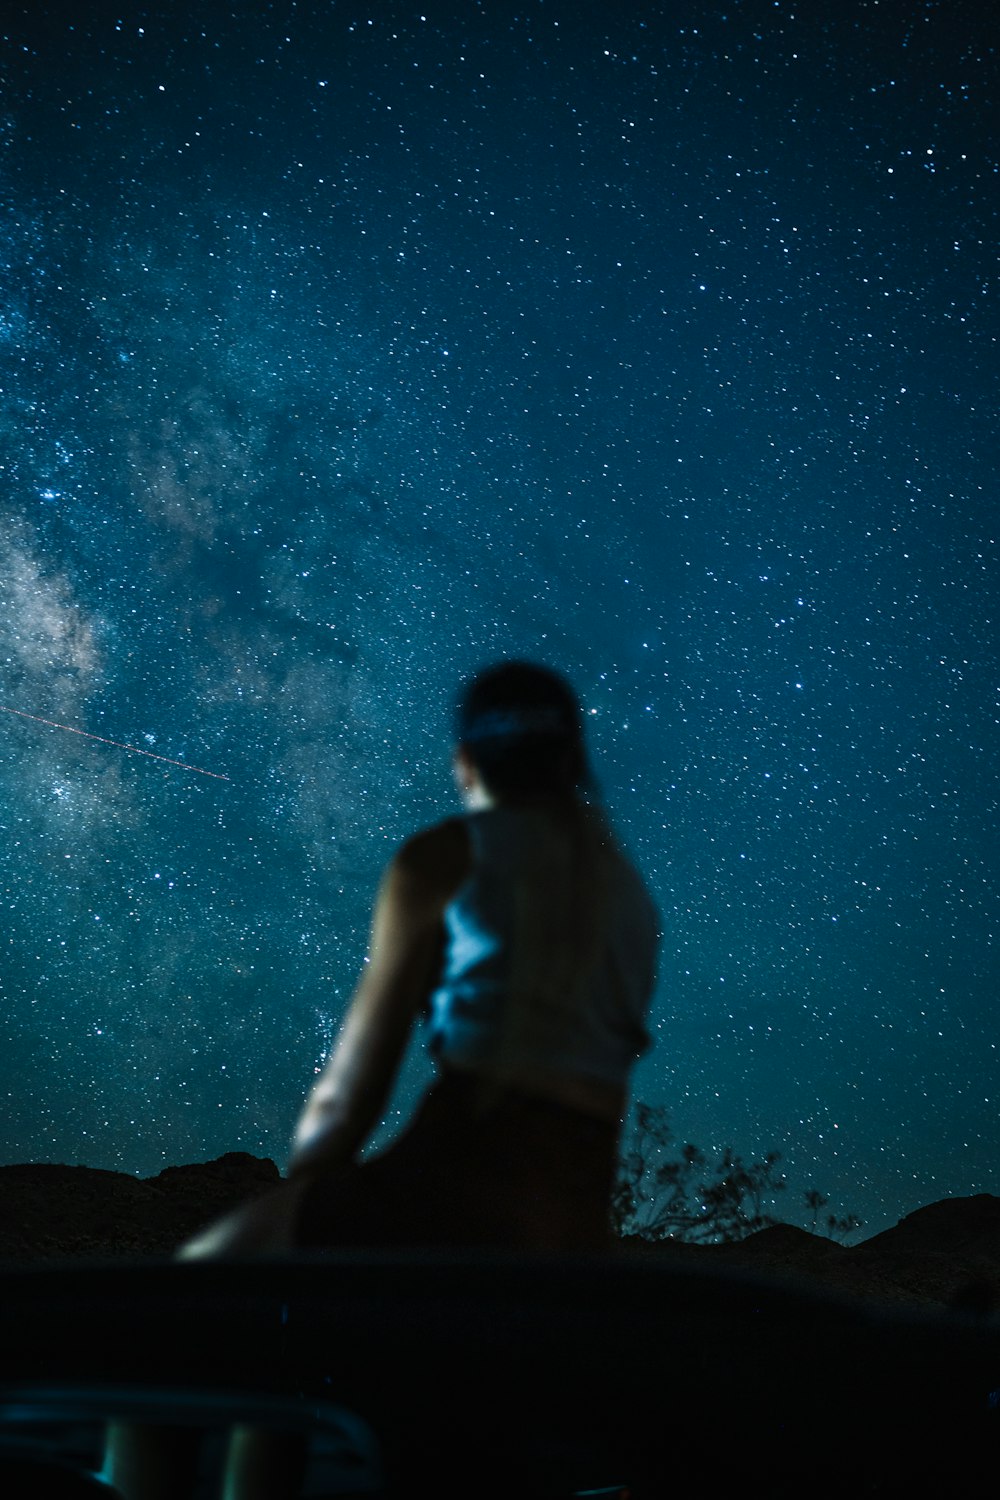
(488, 1375)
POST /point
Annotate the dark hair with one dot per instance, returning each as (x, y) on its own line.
(522, 728)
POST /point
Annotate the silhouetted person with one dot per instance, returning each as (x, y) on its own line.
(528, 941)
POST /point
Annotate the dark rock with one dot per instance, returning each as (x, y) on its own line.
(947, 1253)
(962, 1226)
(784, 1244)
(236, 1167)
(51, 1213)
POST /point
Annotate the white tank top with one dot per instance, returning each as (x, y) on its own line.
(551, 950)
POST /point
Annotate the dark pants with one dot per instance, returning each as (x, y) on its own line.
(478, 1165)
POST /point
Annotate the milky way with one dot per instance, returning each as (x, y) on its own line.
(345, 350)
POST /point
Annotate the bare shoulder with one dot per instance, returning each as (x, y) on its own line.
(435, 861)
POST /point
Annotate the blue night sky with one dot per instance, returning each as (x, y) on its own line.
(348, 348)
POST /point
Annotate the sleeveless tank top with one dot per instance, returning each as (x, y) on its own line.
(550, 950)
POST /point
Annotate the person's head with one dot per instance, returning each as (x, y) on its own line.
(520, 729)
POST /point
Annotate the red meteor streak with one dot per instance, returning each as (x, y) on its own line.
(118, 744)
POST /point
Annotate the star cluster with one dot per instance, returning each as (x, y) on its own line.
(345, 350)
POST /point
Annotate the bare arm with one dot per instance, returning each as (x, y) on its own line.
(350, 1095)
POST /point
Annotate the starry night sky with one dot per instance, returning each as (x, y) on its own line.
(348, 348)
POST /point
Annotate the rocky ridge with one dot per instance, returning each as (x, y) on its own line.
(947, 1253)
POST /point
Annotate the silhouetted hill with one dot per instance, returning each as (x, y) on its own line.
(54, 1213)
(947, 1253)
